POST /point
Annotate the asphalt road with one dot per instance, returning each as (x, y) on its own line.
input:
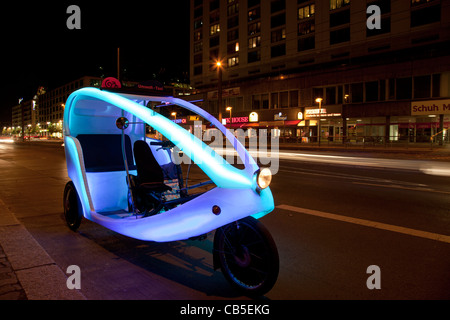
(332, 222)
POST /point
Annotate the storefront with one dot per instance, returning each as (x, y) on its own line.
(328, 121)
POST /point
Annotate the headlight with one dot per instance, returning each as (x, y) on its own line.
(264, 178)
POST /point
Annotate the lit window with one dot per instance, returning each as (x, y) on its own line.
(233, 61)
(306, 12)
(254, 42)
(336, 4)
(214, 29)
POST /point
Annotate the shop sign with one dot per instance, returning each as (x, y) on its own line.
(279, 116)
(431, 107)
(253, 117)
(237, 120)
(180, 121)
(316, 113)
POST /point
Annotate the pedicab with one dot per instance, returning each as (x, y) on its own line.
(130, 183)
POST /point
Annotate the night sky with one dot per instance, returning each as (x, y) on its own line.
(37, 49)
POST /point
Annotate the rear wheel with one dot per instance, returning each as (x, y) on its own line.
(72, 207)
(247, 256)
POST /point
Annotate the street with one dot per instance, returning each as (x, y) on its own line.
(331, 223)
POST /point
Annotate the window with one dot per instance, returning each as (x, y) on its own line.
(233, 35)
(198, 35)
(254, 28)
(371, 91)
(357, 92)
(254, 14)
(436, 85)
(214, 17)
(214, 56)
(278, 20)
(339, 18)
(198, 12)
(214, 29)
(330, 95)
(277, 5)
(233, 47)
(256, 102)
(233, 22)
(422, 87)
(384, 5)
(306, 12)
(341, 35)
(198, 24)
(277, 51)
(385, 28)
(214, 41)
(214, 4)
(404, 88)
(425, 16)
(198, 47)
(419, 2)
(233, 9)
(233, 61)
(265, 101)
(254, 56)
(306, 27)
(293, 98)
(306, 43)
(198, 58)
(198, 70)
(274, 100)
(336, 4)
(391, 93)
(254, 42)
(284, 99)
(278, 35)
(252, 3)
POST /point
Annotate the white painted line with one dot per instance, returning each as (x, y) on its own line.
(368, 223)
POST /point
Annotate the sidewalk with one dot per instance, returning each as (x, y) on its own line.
(27, 272)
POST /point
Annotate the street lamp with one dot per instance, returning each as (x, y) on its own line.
(229, 109)
(319, 101)
(174, 115)
(219, 88)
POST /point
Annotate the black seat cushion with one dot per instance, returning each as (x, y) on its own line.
(150, 173)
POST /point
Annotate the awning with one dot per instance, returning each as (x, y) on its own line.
(292, 123)
(242, 125)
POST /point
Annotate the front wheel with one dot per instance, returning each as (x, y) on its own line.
(72, 207)
(247, 255)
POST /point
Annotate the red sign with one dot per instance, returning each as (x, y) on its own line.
(237, 120)
(111, 83)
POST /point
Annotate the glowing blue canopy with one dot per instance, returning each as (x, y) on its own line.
(91, 111)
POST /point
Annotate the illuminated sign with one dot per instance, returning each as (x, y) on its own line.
(300, 116)
(316, 113)
(111, 83)
(236, 120)
(431, 107)
(179, 121)
(253, 117)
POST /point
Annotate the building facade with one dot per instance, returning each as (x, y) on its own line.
(379, 68)
(51, 104)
